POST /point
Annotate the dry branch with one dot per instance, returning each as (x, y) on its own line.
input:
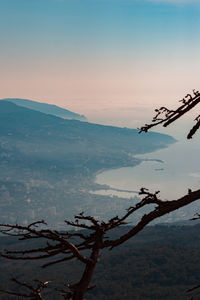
(34, 291)
(93, 240)
(166, 116)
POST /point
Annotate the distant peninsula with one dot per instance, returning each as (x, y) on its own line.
(46, 108)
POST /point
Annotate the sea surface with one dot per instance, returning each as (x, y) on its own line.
(177, 171)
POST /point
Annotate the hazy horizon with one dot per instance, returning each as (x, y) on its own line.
(113, 61)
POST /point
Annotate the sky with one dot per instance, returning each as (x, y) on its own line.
(111, 60)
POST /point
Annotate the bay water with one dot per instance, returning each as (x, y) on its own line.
(172, 171)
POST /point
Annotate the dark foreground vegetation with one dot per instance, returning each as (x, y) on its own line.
(160, 263)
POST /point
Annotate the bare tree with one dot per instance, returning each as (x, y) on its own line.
(86, 244)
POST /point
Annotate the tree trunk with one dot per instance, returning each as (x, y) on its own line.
(83, 285)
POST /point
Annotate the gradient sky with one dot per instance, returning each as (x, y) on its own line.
(112, 60)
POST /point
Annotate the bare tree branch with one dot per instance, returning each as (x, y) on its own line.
(166, 116)
(34, 292)
(162, 209)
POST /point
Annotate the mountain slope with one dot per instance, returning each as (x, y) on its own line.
(54, 136)
(47, 108)
(48, 164)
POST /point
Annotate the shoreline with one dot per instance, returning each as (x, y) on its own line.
(139, 160)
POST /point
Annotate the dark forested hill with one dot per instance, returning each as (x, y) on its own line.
(47, 108)
(48, 163)
(160, 263)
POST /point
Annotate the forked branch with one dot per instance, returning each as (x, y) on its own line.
(167, 116)
(34, 291)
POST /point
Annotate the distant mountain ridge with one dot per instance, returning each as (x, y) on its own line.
(46, 108)
(74, 135)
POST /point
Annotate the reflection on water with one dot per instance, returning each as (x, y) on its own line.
(179, 171)
(114, 193)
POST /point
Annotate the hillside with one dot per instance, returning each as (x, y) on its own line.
(161, 262)
(47, 108)
(48, 164)
(30, 126)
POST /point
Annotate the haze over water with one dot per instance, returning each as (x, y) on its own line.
(178, 171)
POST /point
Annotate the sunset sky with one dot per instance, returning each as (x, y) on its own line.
(112, 60)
